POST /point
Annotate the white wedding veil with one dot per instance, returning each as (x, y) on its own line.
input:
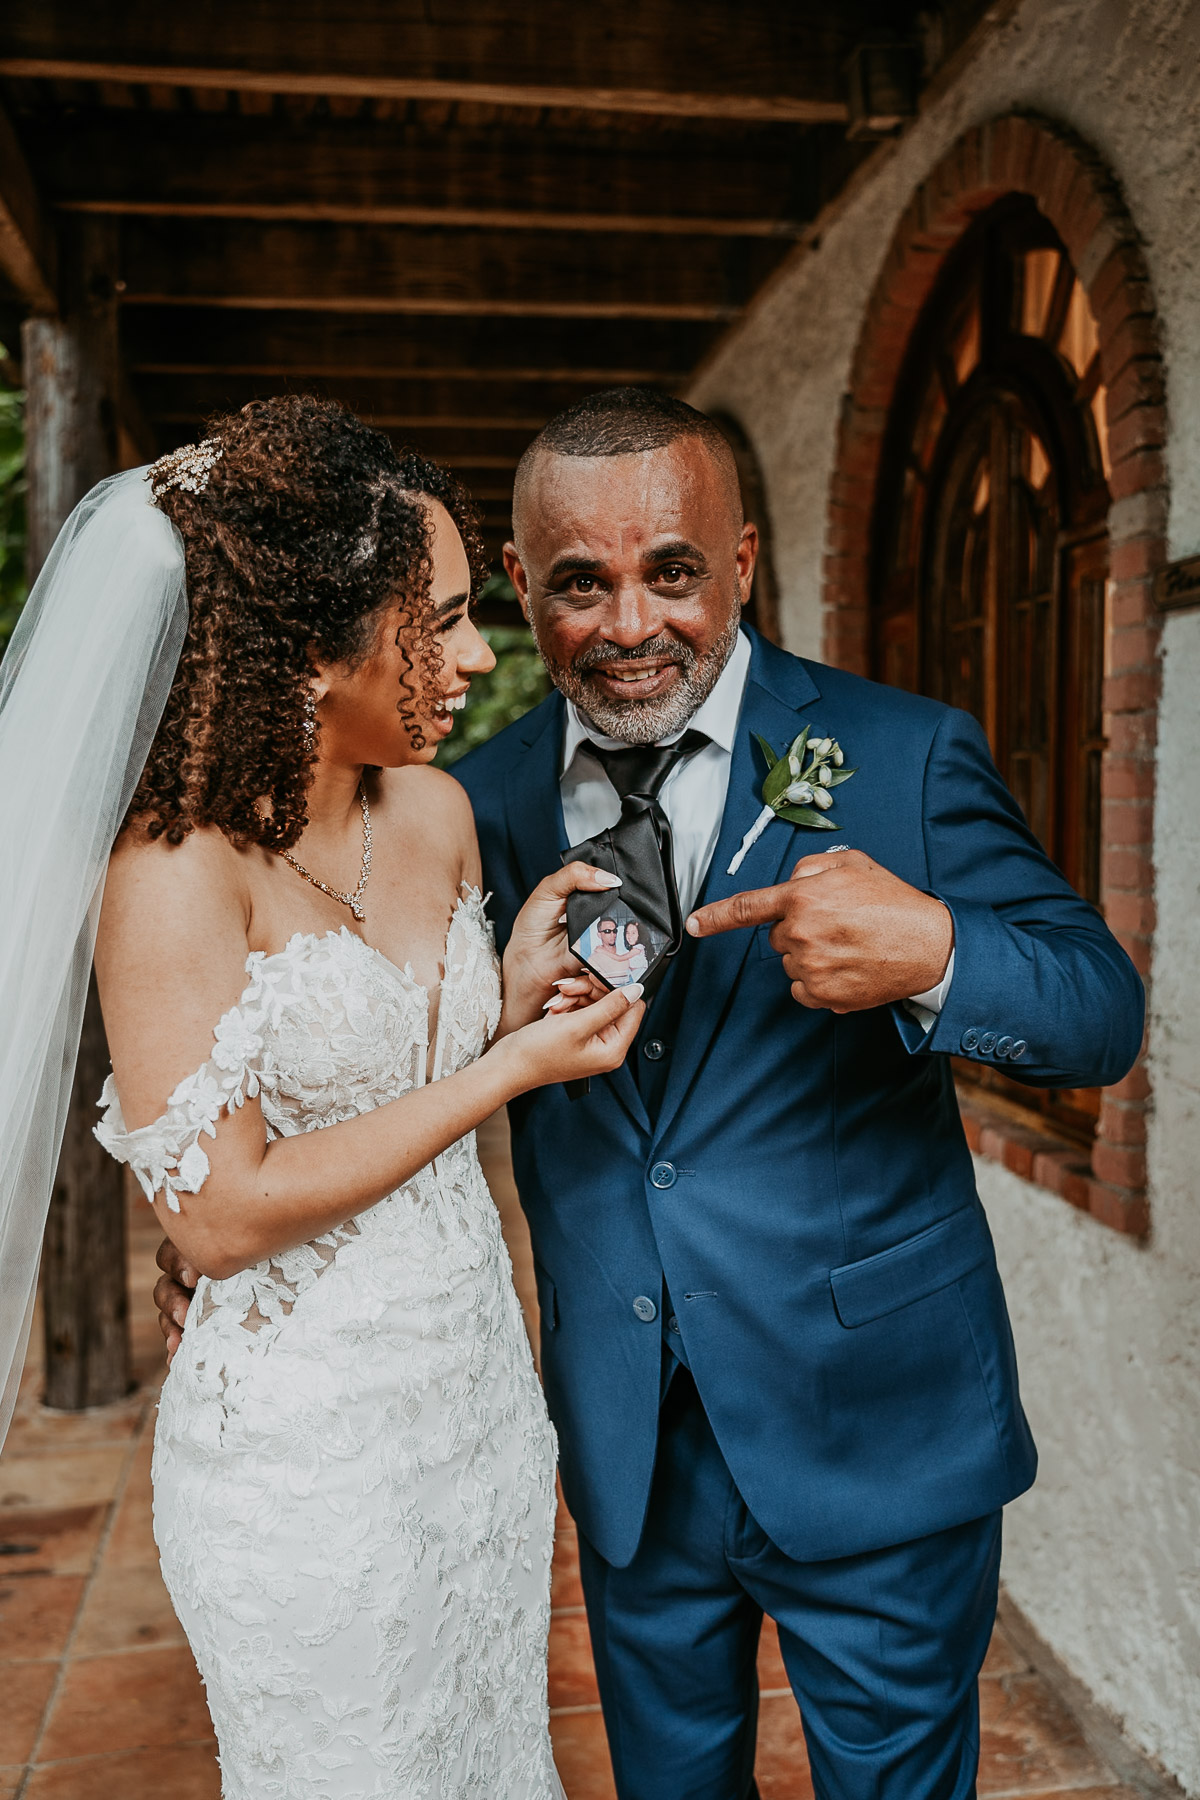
(82, 690)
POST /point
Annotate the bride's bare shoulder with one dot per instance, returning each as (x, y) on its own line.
(423, 794)
(170, 958)
(205, 865)
(428, 804)
(159, 897)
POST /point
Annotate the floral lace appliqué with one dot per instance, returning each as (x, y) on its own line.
(353, 1467)
(167, 1156)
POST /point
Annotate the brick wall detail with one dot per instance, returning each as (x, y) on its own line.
(1071, 185)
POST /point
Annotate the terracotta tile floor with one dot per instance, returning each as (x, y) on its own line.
(99, 1698)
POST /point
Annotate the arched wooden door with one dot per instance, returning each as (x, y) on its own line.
(990, 551)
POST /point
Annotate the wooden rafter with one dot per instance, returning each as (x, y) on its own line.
(656, 102)
(459, 400)
(187, 340)
(666, 59)
(439, 217)
(472, 274)
(27, 248)
(751, 182)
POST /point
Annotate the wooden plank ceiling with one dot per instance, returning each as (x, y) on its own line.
(455, 215)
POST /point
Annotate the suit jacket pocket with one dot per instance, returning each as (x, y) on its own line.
(933, 1259)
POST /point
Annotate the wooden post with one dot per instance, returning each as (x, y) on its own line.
(72, 378)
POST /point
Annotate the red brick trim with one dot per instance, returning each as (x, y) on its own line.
(1072, 186)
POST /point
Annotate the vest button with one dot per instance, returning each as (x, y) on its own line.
(673, 1323)
(662, 1175)
(654, 1049)
(645, 1309)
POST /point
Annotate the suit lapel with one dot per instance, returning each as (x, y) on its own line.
(533, 802)
(778, 690)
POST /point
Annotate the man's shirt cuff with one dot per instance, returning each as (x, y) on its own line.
(926, 1007)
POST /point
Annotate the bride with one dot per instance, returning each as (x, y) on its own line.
(353, 1466)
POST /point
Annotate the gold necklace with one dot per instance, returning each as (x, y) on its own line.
(354, 900)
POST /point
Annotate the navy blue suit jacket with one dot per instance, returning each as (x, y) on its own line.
(816, 1222)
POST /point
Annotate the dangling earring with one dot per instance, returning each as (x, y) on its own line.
(310, 722)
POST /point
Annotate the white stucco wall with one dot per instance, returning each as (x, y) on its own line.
(1103, 1555)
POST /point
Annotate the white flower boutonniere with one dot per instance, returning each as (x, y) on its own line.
(796, 791)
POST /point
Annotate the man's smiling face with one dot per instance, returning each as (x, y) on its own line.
(632, 571)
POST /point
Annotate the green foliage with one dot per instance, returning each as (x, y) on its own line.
(12, 508)
(517, 683)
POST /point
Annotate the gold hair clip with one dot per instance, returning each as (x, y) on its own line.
(188, 468)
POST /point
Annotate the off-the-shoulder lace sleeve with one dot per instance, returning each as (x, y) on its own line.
(167, 1157)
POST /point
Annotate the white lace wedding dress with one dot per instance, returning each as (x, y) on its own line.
(353, 1466)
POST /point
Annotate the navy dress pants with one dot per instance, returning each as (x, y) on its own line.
(882, 1650)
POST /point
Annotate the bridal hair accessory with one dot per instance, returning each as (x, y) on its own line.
(796, 791)
(83, 685)
(354, 900)
(188, 468)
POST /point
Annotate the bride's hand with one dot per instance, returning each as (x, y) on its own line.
(574, 991)
(538, 955)
(568, 1046)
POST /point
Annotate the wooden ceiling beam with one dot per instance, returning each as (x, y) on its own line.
(28, 252)
(443, 217)
(771, 60)
(533, 382)
(791, 109)
(482, 406)
(456, 445)
(189, 165)
(449, 306)
(341, 347)
(486, 468)
(470, 274)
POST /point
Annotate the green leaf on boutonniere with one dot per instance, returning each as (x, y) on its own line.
(777, 783)
(795, 791)
(805, 815)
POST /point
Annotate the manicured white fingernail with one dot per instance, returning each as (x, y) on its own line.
(693, 926)
(633, 992)
(563, 919)
(605, 880)
(565, 980)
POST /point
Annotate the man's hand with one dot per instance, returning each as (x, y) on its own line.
(173, 1294)
(851, 934)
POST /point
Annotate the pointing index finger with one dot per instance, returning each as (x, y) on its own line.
(758, 906)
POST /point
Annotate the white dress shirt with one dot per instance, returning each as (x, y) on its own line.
(692, 796)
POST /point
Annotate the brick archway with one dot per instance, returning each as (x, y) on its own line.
(1073, 188)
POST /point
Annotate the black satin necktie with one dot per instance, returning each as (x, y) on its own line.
(638, 847)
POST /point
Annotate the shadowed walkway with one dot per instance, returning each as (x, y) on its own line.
(99, 1698)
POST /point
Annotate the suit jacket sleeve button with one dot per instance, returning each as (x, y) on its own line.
(1005, 1046)
(987, 1043)
(970, 1038)
(1018, 1050)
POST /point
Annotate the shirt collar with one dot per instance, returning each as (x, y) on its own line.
(717, 718)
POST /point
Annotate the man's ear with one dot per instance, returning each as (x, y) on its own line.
(747, 556)
(514, 568)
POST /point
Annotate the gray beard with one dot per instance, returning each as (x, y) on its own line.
(636, 721)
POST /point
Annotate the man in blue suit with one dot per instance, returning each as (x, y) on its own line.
(774, 1338)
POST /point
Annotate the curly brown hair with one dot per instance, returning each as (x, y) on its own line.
(311, 525)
